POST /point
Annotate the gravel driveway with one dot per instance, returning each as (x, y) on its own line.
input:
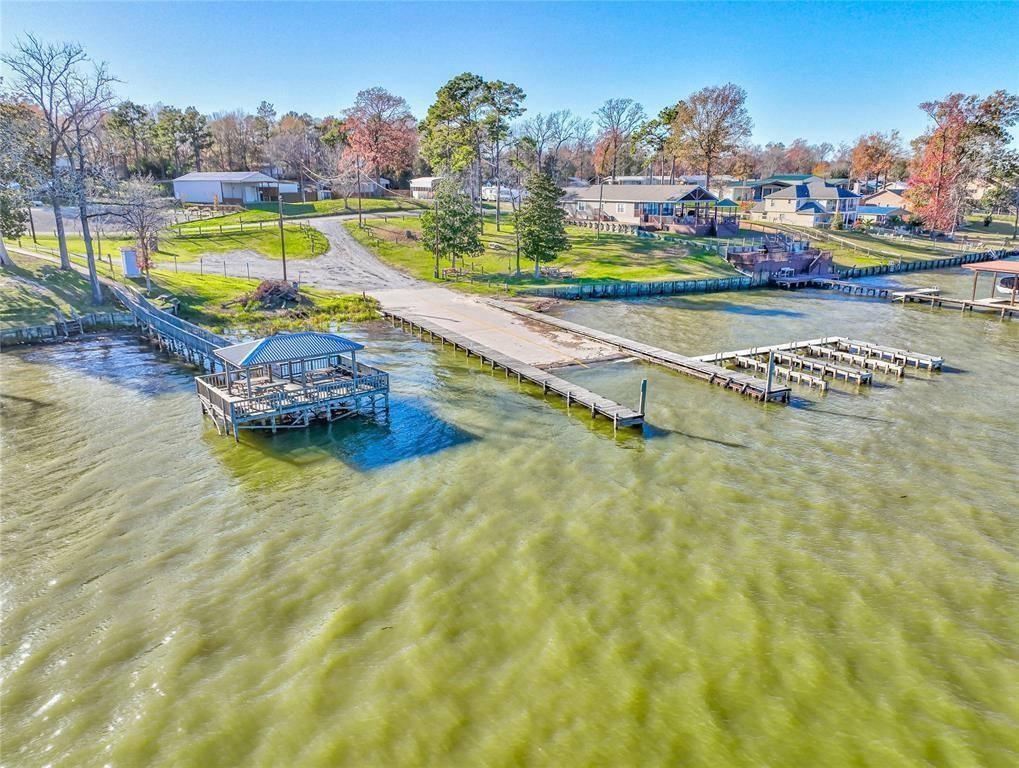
(346, 266)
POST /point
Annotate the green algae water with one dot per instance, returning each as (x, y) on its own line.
(488, 580)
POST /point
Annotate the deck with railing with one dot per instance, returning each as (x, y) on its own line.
(260, 398)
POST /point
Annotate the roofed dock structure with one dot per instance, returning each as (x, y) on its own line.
(285, 381)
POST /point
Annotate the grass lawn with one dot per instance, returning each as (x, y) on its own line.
(269, 212)
(878, 250)
(212, 301)
(301, 243)
(33, 291)
(1001, 230)
(610, 257)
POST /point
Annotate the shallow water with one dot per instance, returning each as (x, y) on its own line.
(490, 581)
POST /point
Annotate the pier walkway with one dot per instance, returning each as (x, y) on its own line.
(701, 369)
(620, 415)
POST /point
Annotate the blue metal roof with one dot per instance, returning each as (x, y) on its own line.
(878, 210)
(286, 346)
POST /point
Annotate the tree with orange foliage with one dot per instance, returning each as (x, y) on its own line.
(874, 155)
(960, 147)
(382, 131)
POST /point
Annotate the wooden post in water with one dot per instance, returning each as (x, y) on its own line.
(643, 397)
(771, 375)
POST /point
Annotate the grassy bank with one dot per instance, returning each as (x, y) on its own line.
(860, 249)
(215, 303)
(301, 243)
(34, 291)
(593, 258)
(1001, 230)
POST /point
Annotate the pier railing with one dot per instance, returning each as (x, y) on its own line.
(200, 340)
(213, 389)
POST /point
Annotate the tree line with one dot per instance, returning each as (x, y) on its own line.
(67, 139)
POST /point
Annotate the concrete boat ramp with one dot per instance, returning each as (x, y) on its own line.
(529, 344)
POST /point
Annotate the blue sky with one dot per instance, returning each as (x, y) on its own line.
(820, 70)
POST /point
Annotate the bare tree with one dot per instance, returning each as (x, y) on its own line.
(618, 120)
(538, 133)
(564, 127)
(712, 123)
(296, 147)
(40, 73)
(145, 211)
(86, 97)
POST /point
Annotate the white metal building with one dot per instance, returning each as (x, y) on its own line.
(423, 187)
(224, 187)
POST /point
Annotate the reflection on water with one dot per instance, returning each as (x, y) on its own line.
(488, 580)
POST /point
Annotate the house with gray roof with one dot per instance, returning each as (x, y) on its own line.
(813, 203)
(682, 208)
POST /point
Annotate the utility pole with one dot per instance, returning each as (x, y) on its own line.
(601, 208)
(283, 244)
(31, 224)
(435, 200)
(360, 216)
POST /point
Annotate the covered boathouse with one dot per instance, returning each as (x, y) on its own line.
(285, 381)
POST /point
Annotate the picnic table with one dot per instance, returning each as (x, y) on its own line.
(556, 272)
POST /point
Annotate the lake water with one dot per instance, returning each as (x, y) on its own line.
(490, 581)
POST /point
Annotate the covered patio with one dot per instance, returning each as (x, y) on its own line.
(696, 212)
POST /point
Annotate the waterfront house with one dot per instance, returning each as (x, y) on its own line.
(880, 214)
(681, 208)
(887, 197)
(739, 191)
(814, 203)
(764, 187)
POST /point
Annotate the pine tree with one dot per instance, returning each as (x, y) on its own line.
(450, 228)
(541, 221)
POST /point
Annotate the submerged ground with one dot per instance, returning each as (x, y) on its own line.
(489, 580)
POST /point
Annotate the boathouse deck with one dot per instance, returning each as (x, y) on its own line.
(285, 381)
(275, 404)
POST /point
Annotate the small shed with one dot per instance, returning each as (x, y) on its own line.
(423, 187)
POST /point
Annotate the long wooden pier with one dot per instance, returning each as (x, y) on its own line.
(698, 368)
(863, 361)
(170, 332)
(574, 394)
(933, 298)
